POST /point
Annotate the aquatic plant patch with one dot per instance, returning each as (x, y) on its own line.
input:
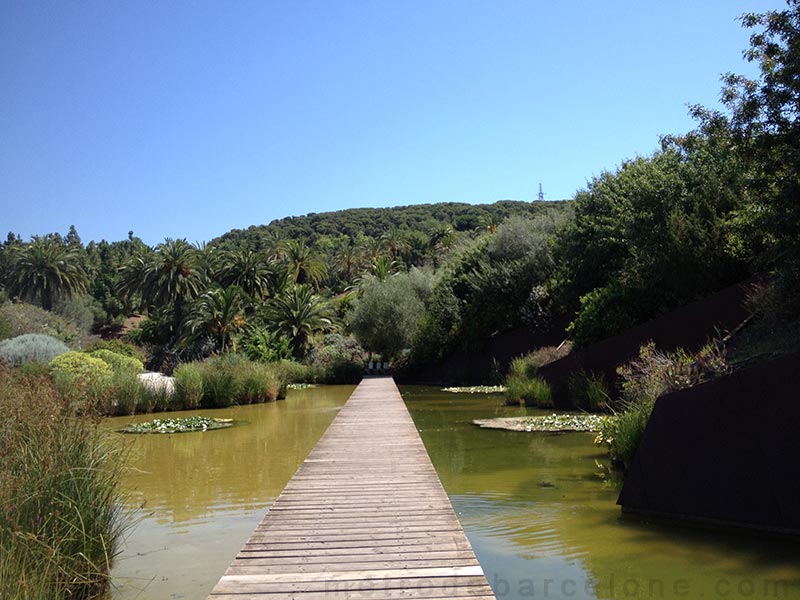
(554, 423)
(477, 389)
(178, 425)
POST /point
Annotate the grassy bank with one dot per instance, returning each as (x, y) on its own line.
(60, 518)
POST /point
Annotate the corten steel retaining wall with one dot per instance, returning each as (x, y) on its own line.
(689, 327)
(724, 453)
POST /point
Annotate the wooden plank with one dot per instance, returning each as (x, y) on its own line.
(364, 517)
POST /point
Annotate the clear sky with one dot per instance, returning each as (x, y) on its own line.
(189, 118)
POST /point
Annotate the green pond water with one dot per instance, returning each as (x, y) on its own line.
(542, 521)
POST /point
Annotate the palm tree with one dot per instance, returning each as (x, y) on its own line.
(218, 312)
(303, 264)
(298, 314)
(132, 275)
(173, 277)
(348, 259)
(250, 271)
(46, 270)
(383, 267)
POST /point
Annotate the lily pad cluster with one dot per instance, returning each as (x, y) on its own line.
(563, 422)
(177, 425)
(477, 389)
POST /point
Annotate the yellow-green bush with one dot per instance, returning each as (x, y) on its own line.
(118, 362)
(80, 376)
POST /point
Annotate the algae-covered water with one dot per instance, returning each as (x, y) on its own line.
(542, 521)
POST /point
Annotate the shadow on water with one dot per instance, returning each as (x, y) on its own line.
(544, 524)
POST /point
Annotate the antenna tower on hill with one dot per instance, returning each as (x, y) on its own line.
(541, 193)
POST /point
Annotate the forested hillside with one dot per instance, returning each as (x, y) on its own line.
(422, 219)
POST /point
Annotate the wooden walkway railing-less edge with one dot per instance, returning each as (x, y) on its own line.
(365, 516)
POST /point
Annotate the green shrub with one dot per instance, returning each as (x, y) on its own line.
(31, 347)
(533, 391)
(338, 359)
(294, 372)
(188, 379)
(22, 318)
(119, 347)
(260, 344)
(589, 392)
(61, 521)
(79, 376)
(118, 362)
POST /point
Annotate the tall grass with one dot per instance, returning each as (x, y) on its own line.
(533, 391)
(188, 380)
(60, 518)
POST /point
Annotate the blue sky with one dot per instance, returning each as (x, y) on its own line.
(189, 118)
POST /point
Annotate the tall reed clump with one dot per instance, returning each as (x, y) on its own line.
(60, 518)
(188, 379)
(523, 383)
(221, 387)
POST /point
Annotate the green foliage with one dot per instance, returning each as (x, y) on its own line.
(46, 270)
(375, 222)
(339, 359)
(31, 347)
(623, 432)
(61, 521)
(119, 362)
(644, 379)
(258, 343)
(296, 315)
(177, 425)
(80, 377)
(258, 382)
(221, 388)
(589, 391)
(659, 232)
(125, 394)
(384, 317)
(764, 122)
(188, 379)
(533, 391)
(83, 311)
(219, 314)
(118, 347)
(21, 318)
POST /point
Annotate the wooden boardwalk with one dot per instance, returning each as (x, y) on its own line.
(365, 516)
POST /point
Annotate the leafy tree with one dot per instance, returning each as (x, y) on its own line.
(45, 270)
(385, 315)
(297, 314)
(764, 120)
(657, 233)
